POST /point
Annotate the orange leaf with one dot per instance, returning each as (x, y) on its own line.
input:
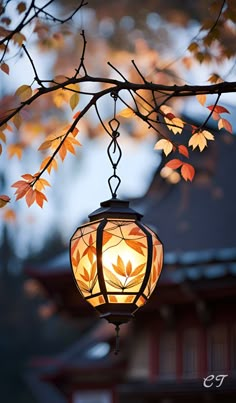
(218, 109)
(183, 150)
(174, 164)
(28, 177)
(136, 231)
(201, 99)
(9, 215)
(63, 151)
(119, 267)
(137, 270)
(136, 245)
(187, 172)
(128, 268)
(21, 7)
(53, 164)
(106, 237)
(223, 123)
(45, 145)
(30, 197)
(40, 197)
(85, 276)
(17, 120)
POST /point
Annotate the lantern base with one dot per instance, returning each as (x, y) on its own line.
(117, 318)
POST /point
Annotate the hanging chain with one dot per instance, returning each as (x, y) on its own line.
(114, 151)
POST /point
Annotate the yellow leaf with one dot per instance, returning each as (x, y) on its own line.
(175, 124)
(199, 139)
(5, 68)
(74, 100)
(127, 113)
(164, 145)
(4, 200)
(24, 92)
(201, 99)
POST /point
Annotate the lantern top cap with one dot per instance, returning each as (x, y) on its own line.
(115, 208)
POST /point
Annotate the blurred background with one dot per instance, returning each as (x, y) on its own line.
(52, 347)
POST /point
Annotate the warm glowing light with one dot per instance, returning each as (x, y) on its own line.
(116, 263)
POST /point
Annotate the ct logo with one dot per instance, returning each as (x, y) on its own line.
(211, 380)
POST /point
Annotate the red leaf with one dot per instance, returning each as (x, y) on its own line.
(174, 164)
(183, 150)
(218, 109)
(187, 172)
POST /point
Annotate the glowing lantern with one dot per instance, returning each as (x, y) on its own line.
(116, 260)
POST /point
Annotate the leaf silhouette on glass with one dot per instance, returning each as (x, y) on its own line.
(74, 245)
(112, 280)
(137, 270)
(106, 237)
(136, 245)
(137, 280)
(90, 251)
(136, 231)
(119, 267)
(129, 298)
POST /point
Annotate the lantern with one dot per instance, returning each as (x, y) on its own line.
(116, 259)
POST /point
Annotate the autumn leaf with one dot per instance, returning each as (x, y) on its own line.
(224, 123)
(174, 164)
(201, 99)
(174, 124)
(9, 215)
(218, 109)
(5, 68)
(30, 197)
(199, 139)
(127, 113)
(21, 7)
(40, 198)
(24, 92)
(4, 199)
(187, 172)
(74, 100)
(15, 149)
(52, 165)
(183, 150)
(164, 145)
(193, 47)
(41, 183)
(18, 38)
(22, 187)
